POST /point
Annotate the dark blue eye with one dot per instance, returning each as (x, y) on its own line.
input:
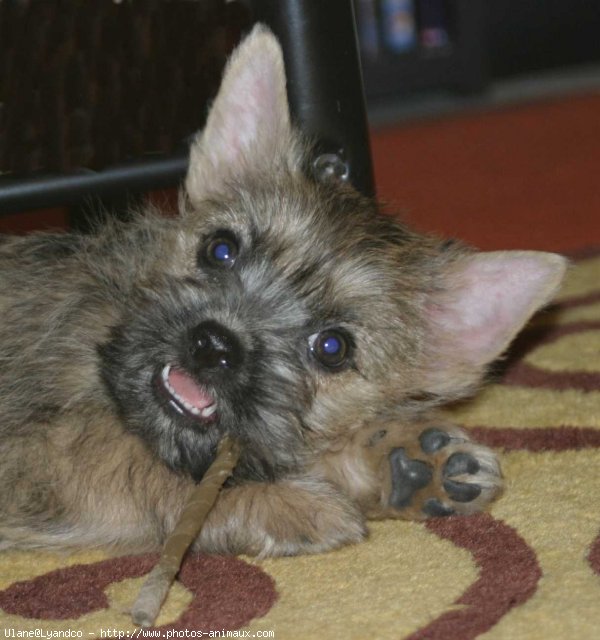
(221, 249)
(330, 348)
(331, 345)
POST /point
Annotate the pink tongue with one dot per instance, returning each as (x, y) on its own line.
(187, 389)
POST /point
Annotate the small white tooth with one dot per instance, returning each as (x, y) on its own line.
(193, 410)
(208, 411)
(174, 394)
(186, 404)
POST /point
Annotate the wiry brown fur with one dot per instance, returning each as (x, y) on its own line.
(90, 456)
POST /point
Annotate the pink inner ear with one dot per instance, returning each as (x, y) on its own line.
(248, 111)
(489, 299)
(250, 115)
(248, 127)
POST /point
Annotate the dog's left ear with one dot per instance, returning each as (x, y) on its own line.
(248, 127)
(483, 302)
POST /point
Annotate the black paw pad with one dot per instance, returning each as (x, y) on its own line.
(461, 491)
(434, 508)
(459, 463)
(407, 477)
(432, 440)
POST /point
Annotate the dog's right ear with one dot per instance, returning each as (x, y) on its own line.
(248, 127)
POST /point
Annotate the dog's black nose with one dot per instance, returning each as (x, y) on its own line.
(215, 347)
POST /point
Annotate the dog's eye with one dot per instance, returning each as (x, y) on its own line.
(330, 348)
(221, 250)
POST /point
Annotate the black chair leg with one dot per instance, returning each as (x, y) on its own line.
(325, 87)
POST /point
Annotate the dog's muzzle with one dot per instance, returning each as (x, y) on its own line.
(213, 353)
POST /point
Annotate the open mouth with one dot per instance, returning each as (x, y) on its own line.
(185, 395)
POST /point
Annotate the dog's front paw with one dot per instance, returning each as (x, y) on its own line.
(311, 517)
(289, 517)
(435, 471)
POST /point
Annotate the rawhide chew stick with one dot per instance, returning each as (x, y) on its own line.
(154, 591)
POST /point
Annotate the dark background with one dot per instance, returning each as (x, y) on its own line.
(494, 42)
(489, 41)
(533, 35)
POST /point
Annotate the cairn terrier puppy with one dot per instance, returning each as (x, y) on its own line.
(279, 309)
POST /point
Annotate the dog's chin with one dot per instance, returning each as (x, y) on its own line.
(184, 398)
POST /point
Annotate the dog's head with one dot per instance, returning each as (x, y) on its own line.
(288, 311)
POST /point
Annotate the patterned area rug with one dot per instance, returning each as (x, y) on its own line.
(528, 569)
